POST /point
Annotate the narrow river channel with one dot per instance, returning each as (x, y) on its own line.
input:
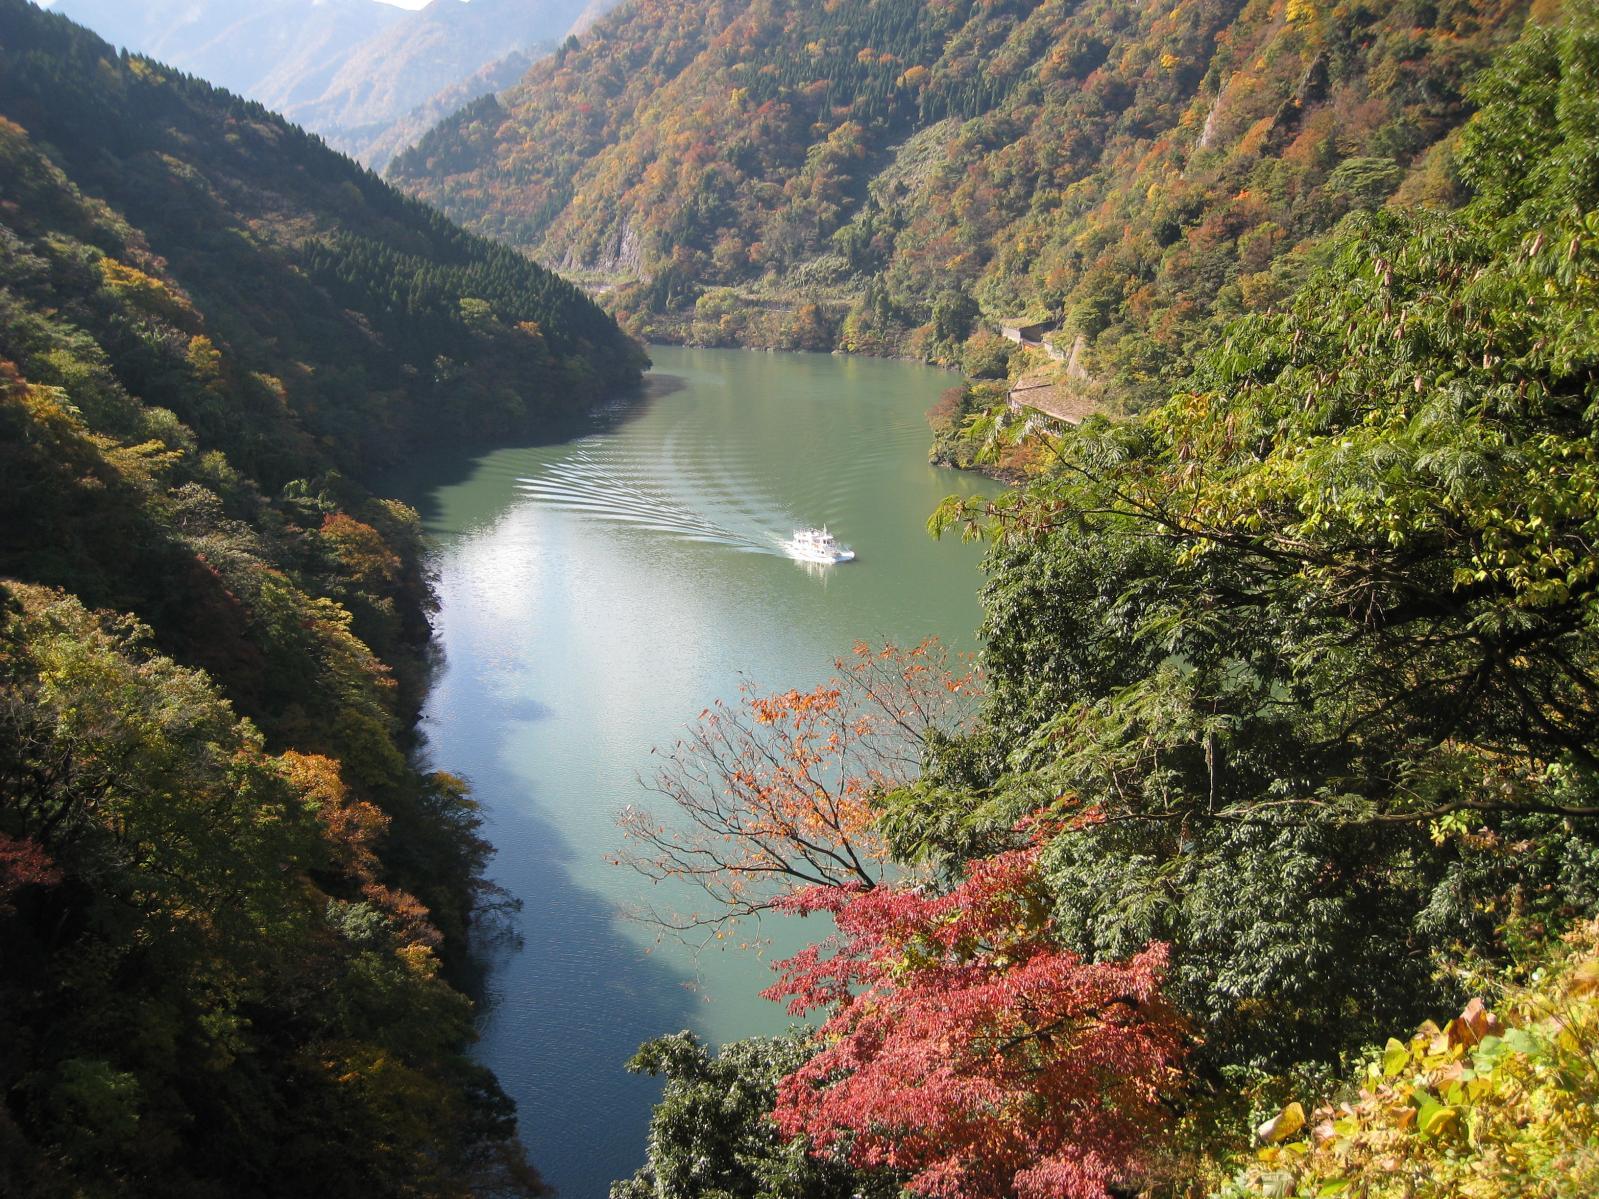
(596, 596)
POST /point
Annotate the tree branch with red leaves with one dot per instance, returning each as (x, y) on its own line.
(966, 1050)
(774, 793)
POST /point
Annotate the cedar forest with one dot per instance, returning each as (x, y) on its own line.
(1255, 855)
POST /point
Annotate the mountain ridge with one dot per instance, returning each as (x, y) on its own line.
(366, 76)
(890, 177)
(293, 202)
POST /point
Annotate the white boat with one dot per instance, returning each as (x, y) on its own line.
(817, 545)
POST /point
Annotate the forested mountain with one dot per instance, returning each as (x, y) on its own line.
(368, 77)
(359, 303)
(229, 898)
(876, 174)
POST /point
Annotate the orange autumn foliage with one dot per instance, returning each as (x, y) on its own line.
(774, 793)
(352, 828)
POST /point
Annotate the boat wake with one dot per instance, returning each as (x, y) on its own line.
(584, 485)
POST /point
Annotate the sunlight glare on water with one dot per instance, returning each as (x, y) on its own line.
(596, 595)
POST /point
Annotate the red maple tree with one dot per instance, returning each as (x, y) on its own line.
(23, 863)
(968, 1051)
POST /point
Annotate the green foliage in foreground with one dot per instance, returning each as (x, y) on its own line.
(1496, 1104)
(1307, 661)
(1299, 674)
(204, 991)
(712, 1135)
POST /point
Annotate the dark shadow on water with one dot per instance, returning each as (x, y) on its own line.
(565, 998)
(425, 474)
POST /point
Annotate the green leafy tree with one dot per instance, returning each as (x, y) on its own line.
(181, 1000)
(1305, 658)
(712, 1135)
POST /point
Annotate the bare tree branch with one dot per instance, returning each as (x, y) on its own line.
(775, 793)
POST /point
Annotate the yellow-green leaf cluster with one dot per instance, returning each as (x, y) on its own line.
(1493, 1105)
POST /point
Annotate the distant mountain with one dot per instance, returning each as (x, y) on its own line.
(891, 175)
(410, 62)
(366, 76)
(296, 46)
(378, 146)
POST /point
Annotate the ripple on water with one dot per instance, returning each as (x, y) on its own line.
(596, 595)
(682, 492)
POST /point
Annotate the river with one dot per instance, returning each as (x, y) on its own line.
(595, 596)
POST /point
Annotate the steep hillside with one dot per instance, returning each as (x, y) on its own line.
(369, 77)
(346, 309)
(230, 899)
(875, 174)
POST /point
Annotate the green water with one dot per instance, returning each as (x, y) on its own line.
(596, 596)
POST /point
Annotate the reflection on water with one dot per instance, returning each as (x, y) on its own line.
(596, 596)
(592, 998)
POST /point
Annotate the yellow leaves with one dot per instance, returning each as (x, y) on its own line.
(361, 551)
(1396, 1056)
(144, 463)
(1433, 1119)
(1439, 1045)
(1282, 1126)
(205, 360)
(418, 960)
(1486, 1107)
(272, 387)
(315, 777)
(147, 293)
(143, 69)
